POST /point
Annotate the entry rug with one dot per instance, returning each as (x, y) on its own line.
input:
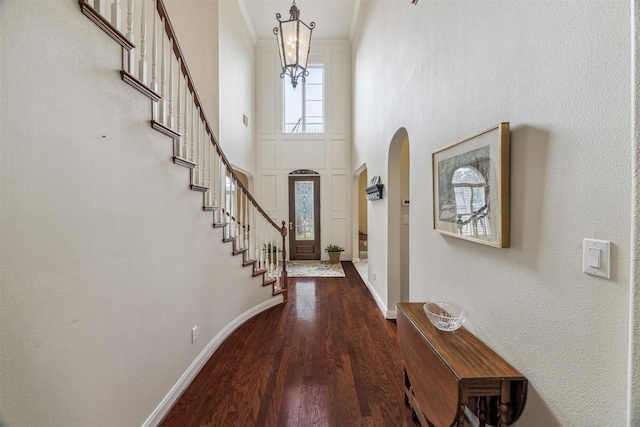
(314, 269)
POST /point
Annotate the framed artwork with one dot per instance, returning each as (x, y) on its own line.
(471, 187)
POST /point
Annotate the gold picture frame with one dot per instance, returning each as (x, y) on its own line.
(471, 187)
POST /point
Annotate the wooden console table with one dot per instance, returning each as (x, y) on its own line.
(446, 371)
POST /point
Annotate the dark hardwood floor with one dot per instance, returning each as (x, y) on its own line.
(325, 358)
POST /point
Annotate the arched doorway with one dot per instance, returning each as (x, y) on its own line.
(398, 219)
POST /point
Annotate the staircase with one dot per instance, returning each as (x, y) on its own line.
(156, 67)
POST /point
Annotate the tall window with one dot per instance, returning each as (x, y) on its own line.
(304, 105)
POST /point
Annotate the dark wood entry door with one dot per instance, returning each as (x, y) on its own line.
(304, 217)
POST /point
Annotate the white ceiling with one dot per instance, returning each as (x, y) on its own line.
(334, 18)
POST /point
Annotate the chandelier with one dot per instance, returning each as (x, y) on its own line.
(294, 43)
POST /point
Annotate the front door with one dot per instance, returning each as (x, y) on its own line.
(304, 217)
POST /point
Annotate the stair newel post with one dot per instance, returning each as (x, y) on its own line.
(130, 66)
(115, 14)
(284, 279)
(142, 62)
(163, 74)
(170, 94)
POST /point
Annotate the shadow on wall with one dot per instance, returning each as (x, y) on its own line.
(536, 412)
(529, 148)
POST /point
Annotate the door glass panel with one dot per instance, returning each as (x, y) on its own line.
(304, 210)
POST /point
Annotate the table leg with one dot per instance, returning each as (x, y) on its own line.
(503, 405)
(461, 419)
(482, 411)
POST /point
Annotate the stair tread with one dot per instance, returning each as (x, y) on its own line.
(257, 273)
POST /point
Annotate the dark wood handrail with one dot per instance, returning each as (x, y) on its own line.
(162, 11)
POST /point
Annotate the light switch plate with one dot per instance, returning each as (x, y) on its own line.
(605, 257)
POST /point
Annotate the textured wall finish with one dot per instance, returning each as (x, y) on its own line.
(634, 306)
(107, 260)
(559, 72)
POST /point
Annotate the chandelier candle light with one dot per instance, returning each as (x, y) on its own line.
(294, 43)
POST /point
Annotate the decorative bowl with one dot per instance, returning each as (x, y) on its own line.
(445, 316)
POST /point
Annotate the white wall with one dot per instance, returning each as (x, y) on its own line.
(237, 91)
(559, 73)
(328, 153)
(634, 306)
(107, 260)
(196, 25)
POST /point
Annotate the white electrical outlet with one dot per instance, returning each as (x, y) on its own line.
(194, 334)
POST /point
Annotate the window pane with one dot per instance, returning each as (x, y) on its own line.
(314, 92)
(315, 75)
(292, 107)
(305, 115)
(304, 226)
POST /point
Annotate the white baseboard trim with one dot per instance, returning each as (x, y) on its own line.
(186, 378)
(388, 314)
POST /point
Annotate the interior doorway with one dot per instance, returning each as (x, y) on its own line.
(304, 216)
(363, 227)
(398, 217)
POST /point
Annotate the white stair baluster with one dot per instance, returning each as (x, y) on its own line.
(97, 5)
(203, 143)
(252, 230)
(185, 139)
(199, 149)
(238, 214)
(262, 245)
(179, 108)
(213, 188)
(192, 134)
(170, 94)
(162, 110)
(154, 55)
(116, 20)
(131, 56)
(230, 209)
(142, 63)
(220, 192)
(246, 220)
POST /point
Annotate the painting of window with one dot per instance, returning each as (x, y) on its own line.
(471, 187)
(472, 209)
